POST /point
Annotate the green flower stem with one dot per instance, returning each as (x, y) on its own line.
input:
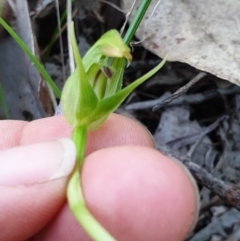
(75, 194)
(136, 21)
(81, 213)
(79, 137)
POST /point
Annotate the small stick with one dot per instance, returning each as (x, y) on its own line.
(184, 99)
(145, 26)
(70, 51)
(208, 129)
(114, 6)
(180, 91)
(127, 17)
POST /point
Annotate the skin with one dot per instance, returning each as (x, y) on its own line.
(134, 191)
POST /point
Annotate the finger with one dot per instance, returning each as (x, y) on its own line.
(117, 130)
(33, 182)
(136, 193)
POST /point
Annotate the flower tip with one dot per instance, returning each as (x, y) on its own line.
(128, 56)
(116, 52)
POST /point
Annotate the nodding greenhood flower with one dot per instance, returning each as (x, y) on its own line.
(93, 90)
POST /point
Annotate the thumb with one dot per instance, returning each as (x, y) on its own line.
(33, 180)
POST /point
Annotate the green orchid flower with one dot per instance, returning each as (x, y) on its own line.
(94, 91)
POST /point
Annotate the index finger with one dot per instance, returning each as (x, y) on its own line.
(116, 131)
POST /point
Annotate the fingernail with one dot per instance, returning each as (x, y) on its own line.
(37, 163)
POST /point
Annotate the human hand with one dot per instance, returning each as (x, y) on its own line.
(132, 190)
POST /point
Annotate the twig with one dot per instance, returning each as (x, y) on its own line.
(127, 17)
(194, 147)
(207, 130)
(182, 90)
(185, 99)
(145, 26)
(69, 20)
(114, 6)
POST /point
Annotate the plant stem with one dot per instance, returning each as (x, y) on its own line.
(136, 21)
(79, 137)
(80, 211)
(75, 194)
